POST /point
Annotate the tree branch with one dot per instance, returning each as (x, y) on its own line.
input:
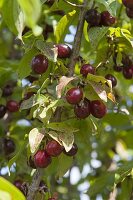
(77, 39)
(75, 53)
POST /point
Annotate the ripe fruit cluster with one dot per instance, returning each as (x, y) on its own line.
(95, 18)
(129, 7)
(42, 158)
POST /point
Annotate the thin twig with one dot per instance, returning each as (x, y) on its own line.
(73, 4)
(77, 39)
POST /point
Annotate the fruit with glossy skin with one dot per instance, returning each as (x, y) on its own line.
(86, 69)
(118, 68)
(53, 148)
(112, 79)
(129, 12)
(107, 19)
(72, 151)
(12, 106)
(2, 110)
(93, 17)
(42, 159)
(64, 51)
(83, 110)
(74, 95)
(98, 109)
(8, 146)
(39, 64)
(128, 72)
(7, 90)
(128, 3)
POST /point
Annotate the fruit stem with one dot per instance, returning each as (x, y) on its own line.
(77, 39)
(73, 4)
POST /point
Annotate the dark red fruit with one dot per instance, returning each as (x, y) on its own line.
(39, 64)
(83, 110)
(118, 68)
(64, 51)
(128, 3)
(86, 69)
(129, 12)
(107, 19)
(12, 106)
(74, 95)
(2, 110)
(126, 61)
(112, 79)
(128, 72)
(7, 90)
(9, 146)
(98, 109)
(31, 163)
(93, 17)
(42, 159)
(28, 95)
(53, 148)
(73, 150)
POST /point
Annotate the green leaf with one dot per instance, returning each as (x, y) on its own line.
(47, 49)
(35, 138)
(63, 25)
(111, 5)
(62, 127)
(13, 191)
(32, 11)
(64, 165)
(67, 140)
(85, 30)
(26, 104)
(25, 64)
(96, 34)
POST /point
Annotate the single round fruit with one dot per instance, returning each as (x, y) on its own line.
(93, 17)
(83, 110)
(28, 95)
(12, 106)
(98, 109)
(9, 146)
(2, 110)
(53, 148)
(129, 12)
(42, 159)
(31, 163)
(107, 19)
(72, 151)
(39, 64)
(112, 79)
(74, 95)
(128, 3)
(118, 68)
(128, 72)
(7, 90)
(86, 69)
(64, 51)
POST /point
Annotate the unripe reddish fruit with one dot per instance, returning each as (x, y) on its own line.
(9, 146)
(2, 110)
(7, 90)
(72, 151)
(128, 72)
(107, 19)
(118, 68)
(83, 110)
(53, 148)
(129, 12)
(42, 159)
(74, 95)
(112, 79)
(86, 69)
(12, 106)
(39, 64)
(93, 17)
(98, 109)
(64, 51)
(128, 3)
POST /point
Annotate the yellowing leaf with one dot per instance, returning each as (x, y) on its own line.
(35, 138)
(111, 97)
(5, 195)
(67, 140)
